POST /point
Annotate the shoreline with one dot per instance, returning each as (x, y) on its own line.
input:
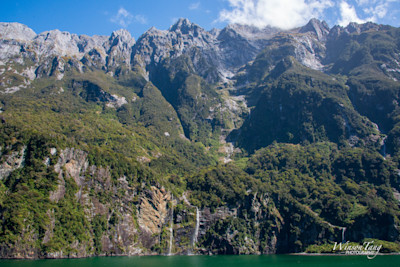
(163, 255)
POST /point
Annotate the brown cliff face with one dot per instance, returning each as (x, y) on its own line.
(129, 229)
(95, 197)
(94, 187)
(153, 210)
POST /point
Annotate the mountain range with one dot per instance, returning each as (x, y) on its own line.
(231, 141)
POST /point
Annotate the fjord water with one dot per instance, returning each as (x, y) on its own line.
(211, 261)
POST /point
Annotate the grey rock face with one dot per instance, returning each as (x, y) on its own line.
(156, 45)
(21, 45)
(319, 28)
(216, 55)
(120, 48)
(16, 31)
(224, 51)
(353, 27)
(12, 162)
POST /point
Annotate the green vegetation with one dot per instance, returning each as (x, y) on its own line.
(298, 105)
(220, 186)
(341, 186)
(196, 104)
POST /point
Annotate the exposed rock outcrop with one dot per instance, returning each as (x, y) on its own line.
(16, 31)
(11, 162)
(153, 209)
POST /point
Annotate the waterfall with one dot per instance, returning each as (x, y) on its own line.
(196, 229)
(171, 232)
(343, 232)
(195, 233)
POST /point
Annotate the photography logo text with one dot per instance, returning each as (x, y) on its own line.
(367, 248)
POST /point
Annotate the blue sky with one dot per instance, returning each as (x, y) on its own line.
(101, 17)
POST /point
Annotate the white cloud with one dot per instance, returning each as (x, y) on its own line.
(141, 19)
(194, 6)
(283, 14)
(288, 14)
(376, 10)
(379, 10)
(363, 2)
(123, 18)
(348, 14)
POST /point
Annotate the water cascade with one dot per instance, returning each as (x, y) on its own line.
(196, 229)
(343, 232)
(171, 232)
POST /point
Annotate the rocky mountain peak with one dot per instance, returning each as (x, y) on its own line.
(320, 28)
(56, 36)
(155, 45)
(58, 42)
(151, 33)
(249, 32)
(16, 31)
(354, 28)
(121, 35)
(184, 26)
(151, 30)
(214, 32)
(223, 51)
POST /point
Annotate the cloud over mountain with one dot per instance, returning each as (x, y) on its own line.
(286, 14)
